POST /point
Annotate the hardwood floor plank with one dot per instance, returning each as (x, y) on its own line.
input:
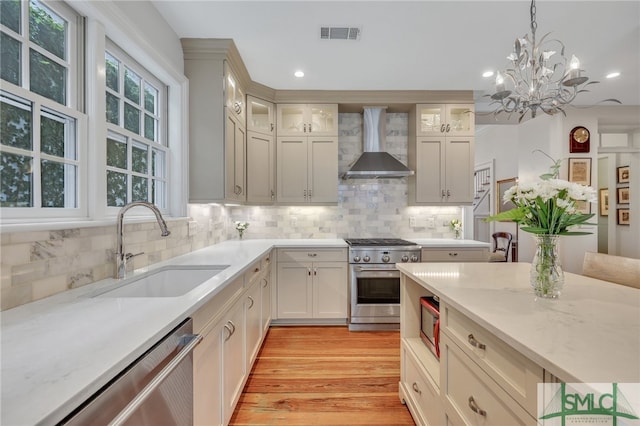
(324, 376)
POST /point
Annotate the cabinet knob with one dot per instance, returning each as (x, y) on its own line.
(416, 388)
(473, 342)
(474, 407)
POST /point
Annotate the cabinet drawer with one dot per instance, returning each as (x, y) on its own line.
(420, 389)
(253, 273)
(266, 261)
(514, 372)
(455, 255)
(216, 305)
(313, 255)
(471, 396)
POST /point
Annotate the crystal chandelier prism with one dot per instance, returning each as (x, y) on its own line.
(540, 77)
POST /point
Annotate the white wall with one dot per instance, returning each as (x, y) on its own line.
(513, 148)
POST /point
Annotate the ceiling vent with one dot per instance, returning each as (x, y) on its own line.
(340, 33)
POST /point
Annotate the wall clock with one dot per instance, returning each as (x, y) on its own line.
(579, 139)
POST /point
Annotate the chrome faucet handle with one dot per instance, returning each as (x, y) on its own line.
(130, 255)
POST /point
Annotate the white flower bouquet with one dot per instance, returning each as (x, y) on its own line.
(241, 227)
(456, 227)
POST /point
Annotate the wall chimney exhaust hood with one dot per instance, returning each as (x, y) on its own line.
(375, 162)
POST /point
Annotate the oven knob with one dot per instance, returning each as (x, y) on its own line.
(366, 258)
(386, 258)
(405, 258)
(414, 258)
(356, 259)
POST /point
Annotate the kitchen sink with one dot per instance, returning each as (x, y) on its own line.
(169, 281)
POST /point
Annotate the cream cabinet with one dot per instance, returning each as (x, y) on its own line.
(445, 119)
(235, 156)
(458, 254)
(266, 293)
(234, 96)
(307, 170)
(261, 152)
(261, 116)
(217, 121)
(444, 170)
(479, 379)
(233, 325)
(311, 284)
(307, 119)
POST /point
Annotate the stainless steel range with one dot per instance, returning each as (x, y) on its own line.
(374, 281)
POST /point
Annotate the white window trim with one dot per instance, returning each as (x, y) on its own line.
(102, 20)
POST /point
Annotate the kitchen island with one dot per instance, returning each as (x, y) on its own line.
(507, 340)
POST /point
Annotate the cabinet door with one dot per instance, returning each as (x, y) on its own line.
(294, 291)
(234, 96)
(292, 119)
(207, 383)
(253, 304)
(292, 169)
(323, 119)
(460, 120)
(235, 146)
(323, 170)
(329, 290)
(430, 153)
(260, 116)
(459, 170)
(260, 168)
(233, 359)
(431, 119)
(265, 286)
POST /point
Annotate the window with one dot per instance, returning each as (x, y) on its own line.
(136, 142)
(40, 160)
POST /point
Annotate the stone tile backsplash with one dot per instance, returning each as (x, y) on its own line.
(38, 264)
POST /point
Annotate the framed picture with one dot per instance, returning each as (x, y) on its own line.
(583, 207)
(501, 188)
(623, 195)
(623, 174)
(580, 170)
(623, 217)
(604, 202)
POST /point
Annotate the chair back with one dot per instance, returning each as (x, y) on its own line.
(501, 246)
(616, 269)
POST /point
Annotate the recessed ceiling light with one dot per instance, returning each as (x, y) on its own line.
(613, 74)
(487, 74)
(299, 74)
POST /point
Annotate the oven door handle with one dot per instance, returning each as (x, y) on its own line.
(361, 269)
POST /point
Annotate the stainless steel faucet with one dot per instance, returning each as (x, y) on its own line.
(121, 257)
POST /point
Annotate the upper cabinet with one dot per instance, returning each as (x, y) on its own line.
(261, 116)
(217, 121)
(234, 96)
(307, 119)
(442, 152)
(445, 120)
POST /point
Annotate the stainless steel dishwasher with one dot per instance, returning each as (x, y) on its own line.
(156, 389)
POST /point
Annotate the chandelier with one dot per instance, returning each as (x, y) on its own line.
(540, 78)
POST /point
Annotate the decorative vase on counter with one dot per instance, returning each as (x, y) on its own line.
(546, 276)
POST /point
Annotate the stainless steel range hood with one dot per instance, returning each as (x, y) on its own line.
(375, 162)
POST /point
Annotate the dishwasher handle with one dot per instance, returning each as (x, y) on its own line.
(190, 341)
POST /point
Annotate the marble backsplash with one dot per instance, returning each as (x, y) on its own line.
(38, 264)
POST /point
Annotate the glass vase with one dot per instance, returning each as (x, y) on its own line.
(546, 276)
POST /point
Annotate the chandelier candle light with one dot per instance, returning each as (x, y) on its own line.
(540, 78)
(548, 209)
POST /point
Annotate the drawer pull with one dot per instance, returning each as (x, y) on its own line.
(453, 254)
(256, 270)
(416, 388)
(265, 282)
(473, 342)
(312, 254)
(252, 302)
(474, 407)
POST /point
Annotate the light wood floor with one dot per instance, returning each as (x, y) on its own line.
(324, 376)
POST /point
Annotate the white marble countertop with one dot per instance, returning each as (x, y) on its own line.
(58, 351)
(591, 333)
(449, 243)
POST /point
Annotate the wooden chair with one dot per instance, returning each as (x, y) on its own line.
(616, 269)
(501, 247)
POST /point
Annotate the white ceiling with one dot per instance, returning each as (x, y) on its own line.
(414, 45)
